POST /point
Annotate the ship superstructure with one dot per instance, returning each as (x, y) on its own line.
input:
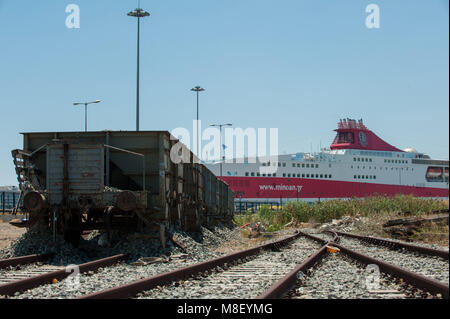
(357, 164)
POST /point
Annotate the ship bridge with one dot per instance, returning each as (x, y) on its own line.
(353, 134)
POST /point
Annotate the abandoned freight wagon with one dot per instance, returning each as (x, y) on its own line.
(117, 180)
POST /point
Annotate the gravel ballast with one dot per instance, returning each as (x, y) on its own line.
(247, 280)
(338, 277)
(147, 258)
(429, 266)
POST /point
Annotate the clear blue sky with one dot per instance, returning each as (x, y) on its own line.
(292, 64)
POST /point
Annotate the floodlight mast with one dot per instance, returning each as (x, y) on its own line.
(138, 13)
(85, 110)
(198, 89)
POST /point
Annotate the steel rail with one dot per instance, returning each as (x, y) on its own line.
(284, 285)
(131, 289)
(415, 279)
(397, 245)
(24, 260)
(335, 238)
(11, 288)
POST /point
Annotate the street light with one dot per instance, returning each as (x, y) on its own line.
(223, 158)
(138, 13)
(198, 89)
(85, 110)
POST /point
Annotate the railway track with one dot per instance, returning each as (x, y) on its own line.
(250, 277)
(428, 262)
(19, 268)
(392, 281)
(204, 268)
(396, 245)
(31, 277)
(303, 265)
(24, 260)
(340, 277)
(23, 273)
(411, 282)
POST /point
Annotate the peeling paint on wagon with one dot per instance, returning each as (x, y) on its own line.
(97, 166)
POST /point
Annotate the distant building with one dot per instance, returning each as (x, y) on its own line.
(9, 196)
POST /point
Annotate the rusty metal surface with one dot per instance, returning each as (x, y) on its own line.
(133, 288)
(24, 260)
(126, 201)
(397, 245)
(417, 280)
(72, 169)
(34, 201)
(29, 283)
(77, 169)
(284, 285)
(318, 239)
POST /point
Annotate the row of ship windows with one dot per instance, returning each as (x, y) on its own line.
(396, 161)
(378, 153)
(291, 175)
(355, 159)
(360, 159)
(293, 165)
(364, 177)
(392, 168)
(305, 165)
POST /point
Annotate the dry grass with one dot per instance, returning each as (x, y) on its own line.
(433, 233)
(428, 232)
(372, 213)
(326, 211)
(373, 224)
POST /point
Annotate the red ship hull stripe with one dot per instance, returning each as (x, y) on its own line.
(272, 187)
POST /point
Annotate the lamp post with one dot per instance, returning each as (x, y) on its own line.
(198, 89)
(138, 13)
(85, 110)
(222, 158)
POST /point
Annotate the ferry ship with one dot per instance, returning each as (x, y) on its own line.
(357, 164)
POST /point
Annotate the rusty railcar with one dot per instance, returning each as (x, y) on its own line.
(114, 180)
